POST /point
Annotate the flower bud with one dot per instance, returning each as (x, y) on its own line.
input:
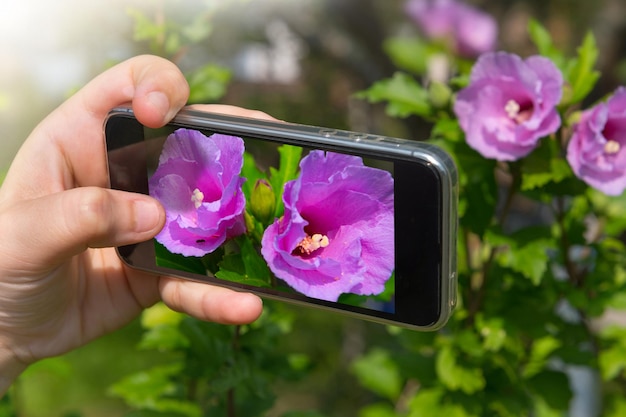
(263, 201)
(250, 223)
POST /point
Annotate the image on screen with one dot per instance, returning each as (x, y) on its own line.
(271, 215)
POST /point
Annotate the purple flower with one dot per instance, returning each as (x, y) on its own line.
(471, 31)
(336, 235)
(509, 104)
(597, 149)
(198, 183)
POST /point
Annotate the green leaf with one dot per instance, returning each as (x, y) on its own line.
(555, 171)
(162, 333)
(287, 171)
(7, 409)
(580, 75)
(144, 28)
(159, 315)
(378, 410)
(526, 252)
(543, 41)
(163, 338)
(480, 192)
(553, 387)
(198, 30)
(172, 43)
(426, 402)
(407, 53)
(447, 129)
(361, 300)
(456, 376)
(612, 361)
(544, 165)
(432, 402)
(403, 94)
(208, 83)
(232, 375)
(299, 361)
(167, 259)
(530, 260)
(246, 267)
(58, 366)
(493, 332)
(618, 301)
(540, 352)
(233, 276)
(614, 405)
(153, 390)
(377, 372)
(251, 173)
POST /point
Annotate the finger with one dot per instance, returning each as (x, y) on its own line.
(232, 111)
(64, 224)
(68, 148)
(155, 86)
(210, 303)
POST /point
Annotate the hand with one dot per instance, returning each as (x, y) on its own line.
(61, 282)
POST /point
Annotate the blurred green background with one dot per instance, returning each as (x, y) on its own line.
(299, 60)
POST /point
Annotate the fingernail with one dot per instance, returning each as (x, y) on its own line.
(159, 102)
(147, 216)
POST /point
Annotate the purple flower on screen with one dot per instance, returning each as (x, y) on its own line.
(471, 31)
(509, 104)
(337, 233)
(197, 181)
(597, 149)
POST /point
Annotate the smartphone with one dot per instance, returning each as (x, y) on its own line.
(350, 222)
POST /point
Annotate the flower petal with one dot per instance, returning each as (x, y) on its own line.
(197, 181)
(351, 205)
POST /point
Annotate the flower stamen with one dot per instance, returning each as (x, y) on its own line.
(612, 147)
(515, 111)
(512, 109)
(197, 197)
(310, 244)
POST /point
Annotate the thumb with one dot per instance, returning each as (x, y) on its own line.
(69, 222)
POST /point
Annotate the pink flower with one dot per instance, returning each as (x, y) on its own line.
(337, 234)
(509, 104)
(597, 149)
(198, 183)
(471, 31)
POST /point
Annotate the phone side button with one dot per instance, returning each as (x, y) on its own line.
(357, 137)
(327, 133)
(453, 290)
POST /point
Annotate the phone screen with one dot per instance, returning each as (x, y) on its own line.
(278, 216)
(354, 231)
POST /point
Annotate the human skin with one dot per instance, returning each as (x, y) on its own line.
(61, 281)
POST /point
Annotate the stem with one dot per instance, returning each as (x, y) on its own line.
(481, 277)
(515, 169)
(230, 395)
(230, 399)
(479, 294)
(574, 277)
(192, 390)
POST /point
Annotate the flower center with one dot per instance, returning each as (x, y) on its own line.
(611, 147)
(516, 112)
(197, 197)
(310, 244)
